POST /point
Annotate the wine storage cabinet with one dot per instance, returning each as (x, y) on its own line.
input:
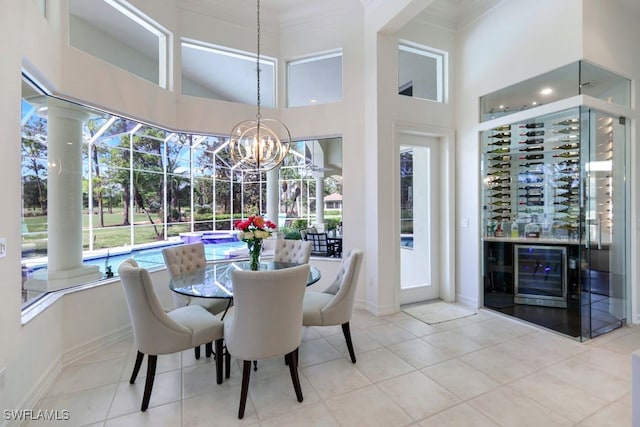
(550, 188)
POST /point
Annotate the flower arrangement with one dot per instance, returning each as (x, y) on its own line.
(252, 231)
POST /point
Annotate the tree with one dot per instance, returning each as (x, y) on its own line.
(34, 157)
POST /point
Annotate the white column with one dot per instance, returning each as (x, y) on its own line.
(319, 200)
(64, 200)
(273, 195)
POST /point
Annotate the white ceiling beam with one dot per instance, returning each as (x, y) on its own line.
(389, 16)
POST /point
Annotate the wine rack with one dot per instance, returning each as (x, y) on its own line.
(531, 179)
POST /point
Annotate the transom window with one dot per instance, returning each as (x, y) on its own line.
(120, 34)
(315, 80)
(422, 72)
(226, 74)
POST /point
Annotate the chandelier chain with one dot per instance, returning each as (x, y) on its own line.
(259, 115)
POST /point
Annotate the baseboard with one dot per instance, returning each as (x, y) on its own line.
(471, 302)
(43, 384)
(381, 310)
(37, 391)
(100, 343)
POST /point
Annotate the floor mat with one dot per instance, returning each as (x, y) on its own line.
(438, 312)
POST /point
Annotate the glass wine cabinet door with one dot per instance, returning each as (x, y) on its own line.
(554, 219)
(603, 177)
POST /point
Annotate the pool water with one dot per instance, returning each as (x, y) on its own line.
(406, 241)
(150, 258)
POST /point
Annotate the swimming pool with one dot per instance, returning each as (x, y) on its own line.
(406, 241)
(149, 258)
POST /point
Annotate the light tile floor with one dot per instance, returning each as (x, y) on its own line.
(482, 370)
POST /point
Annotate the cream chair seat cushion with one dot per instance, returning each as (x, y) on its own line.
(313, 304)
(198, 320)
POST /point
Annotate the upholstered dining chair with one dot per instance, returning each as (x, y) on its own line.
(158, 332)
(334, 305)
(185, 258)
(266, 321)
(296, 251)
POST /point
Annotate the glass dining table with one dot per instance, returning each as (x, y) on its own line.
(214, 280)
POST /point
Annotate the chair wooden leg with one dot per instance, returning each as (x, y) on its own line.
(197, 351)
(246, 374)
(227, 364)
(293, 369)
(347, 336)
(208, 349)
(148, 385)
(136, 367)
(219, 355)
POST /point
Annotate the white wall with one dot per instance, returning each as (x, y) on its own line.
(514, 41)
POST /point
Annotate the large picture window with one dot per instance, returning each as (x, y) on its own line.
(145, 187)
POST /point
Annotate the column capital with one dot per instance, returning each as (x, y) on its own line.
(65, 110)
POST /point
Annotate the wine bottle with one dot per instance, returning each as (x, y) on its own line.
(533, 133)
(499, 150)
(501, 165)
(532, 157)
(533, 203)
(567, 226)
(500, 188)
(500, 158)
(498, 218)
(531, 210)
(498, 172)
(569, 146)
(532, 148)
(500, 142)
(501, 135)
(532, 187)
(533, 141)
(502, 210)
(567, 192)
(502, 128)
(529, 164)
(501, 203)
(532, 125)
(500, 195)
(532, 193)
(568, 154)
(568, 129)
(563, 186)
(567, 122)
(568, 162)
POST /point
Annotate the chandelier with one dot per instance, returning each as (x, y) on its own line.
(260, 144)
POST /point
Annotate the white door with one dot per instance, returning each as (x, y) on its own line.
(419, 219)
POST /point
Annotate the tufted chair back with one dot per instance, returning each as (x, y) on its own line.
(297, 251)
(183, 259)
(339, 309)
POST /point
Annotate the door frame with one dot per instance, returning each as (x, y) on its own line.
(446, 187)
